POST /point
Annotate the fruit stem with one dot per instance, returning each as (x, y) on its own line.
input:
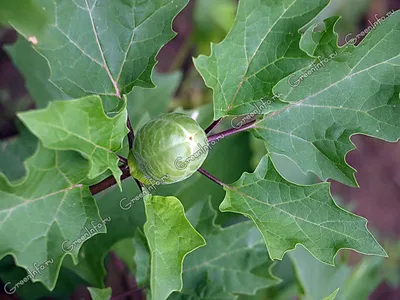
(182, 54)
(139, 184)
(213, 126)
(231, 131)
(211, 177)
(136, 290)
(131, 135)
(122, 159)
(109, 182)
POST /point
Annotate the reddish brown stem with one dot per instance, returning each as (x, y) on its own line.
(109, 182)
(211, 177)
(231, 131)
(131, 135)
(139, 184)
(122, 159)
(213, 126)
(135, 290)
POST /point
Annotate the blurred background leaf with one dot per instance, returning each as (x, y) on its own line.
(25, 15)
(212, 21)
(36, 72)
(15, 151)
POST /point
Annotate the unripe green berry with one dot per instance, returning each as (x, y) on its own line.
(168, 149)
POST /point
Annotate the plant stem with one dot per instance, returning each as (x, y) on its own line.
(231, 131)
(127, 293)
(131, 135)
(122, 159)
(213, 126)
(131, 138)
(139, 184)
(211, 177)
(109, 182)
(180, 58)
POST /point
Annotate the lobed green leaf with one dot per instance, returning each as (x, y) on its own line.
(15, 151)
(123, 225)
(318, 280)
(36, 72)
(81, 125)
(170, 238)
(25, 15)
(57, 207)
(142, 259)
(100, 294)
(105, 48)
(234, 258)
(356, 91)
(205, 290)
(288, 214)
(260, 50)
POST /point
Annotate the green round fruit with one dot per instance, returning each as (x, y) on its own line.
(168, 149)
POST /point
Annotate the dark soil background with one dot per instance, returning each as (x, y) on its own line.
(377, 162)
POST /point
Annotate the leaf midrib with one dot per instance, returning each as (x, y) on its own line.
(244, 195)
(106, 67)
(229, 107)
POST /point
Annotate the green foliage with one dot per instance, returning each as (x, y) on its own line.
(54, 203)
(316, 280)
(171, 237)
(142, 259)
(25, 15)
(364, 279)
(234, 258)
(332, 296)
(356, 92)
(197, 188)
(125, 250)
(36, 72)
(212, 25)
(100, 294)
(288, 214)
(96, 48)
(9, 273)
(208, 290)
(122, 226)
(100, 139)
(145, 104)
(12, 104)
(262, 48)
(349, 12)
(14, 152)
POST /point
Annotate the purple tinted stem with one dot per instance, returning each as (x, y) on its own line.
(109, 182)
(122, 159)
(131, 135)
(231, 131)
(212, 178)
(213, 126)
(139, 184)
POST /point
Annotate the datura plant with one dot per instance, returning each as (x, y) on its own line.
(101, 135)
